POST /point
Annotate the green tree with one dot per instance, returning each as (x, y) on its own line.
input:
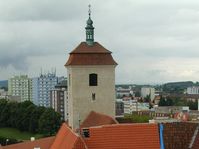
(193, 105)
(4, 115)
(49, 122)
(162, 102)
(21, 115)
(13, 106)
(25, 123)
(34, 119)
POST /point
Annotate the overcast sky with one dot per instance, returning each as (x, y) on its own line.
(153, 41)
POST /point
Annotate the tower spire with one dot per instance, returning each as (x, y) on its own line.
(89, 10)
(89, 28)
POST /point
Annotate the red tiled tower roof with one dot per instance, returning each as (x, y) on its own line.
(95, 54)
(125, 136)
(97, 119)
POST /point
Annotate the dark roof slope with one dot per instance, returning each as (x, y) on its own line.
(178, 135)
(97, 119)
(196, 142)
(61, 84)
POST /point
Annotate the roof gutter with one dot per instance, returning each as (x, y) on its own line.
(161, 136)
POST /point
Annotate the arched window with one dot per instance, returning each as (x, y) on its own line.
(93, 79)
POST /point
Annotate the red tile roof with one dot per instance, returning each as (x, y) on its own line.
(125, 136)
(67, 139)
(90, 55)
(97, 119)
(111, 136)
(43, 143)
(178, 135)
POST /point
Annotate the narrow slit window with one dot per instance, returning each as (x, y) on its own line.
(93, 96)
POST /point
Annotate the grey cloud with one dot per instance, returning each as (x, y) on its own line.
(140, 33)
(20, 10)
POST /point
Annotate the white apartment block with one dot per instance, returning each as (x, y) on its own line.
(193, 90)
(145, 91)
(3, 94)
(132, 105)
(20, 86)
(120, 92)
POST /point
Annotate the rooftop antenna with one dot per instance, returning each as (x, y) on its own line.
(41, 72)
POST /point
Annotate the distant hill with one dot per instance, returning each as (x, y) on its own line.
(177, 87)
(4, 83)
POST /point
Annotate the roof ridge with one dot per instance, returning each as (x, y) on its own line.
(84, 48)
(194, 137)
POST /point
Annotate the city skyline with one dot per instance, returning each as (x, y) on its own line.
(153, 42)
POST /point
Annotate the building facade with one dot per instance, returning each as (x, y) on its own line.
(132, 106)
(3, 94)
(121, 92)
(21, 87)
(91, 79)
(42, 86)
(193, 90)
(58, 99)
(148, 91)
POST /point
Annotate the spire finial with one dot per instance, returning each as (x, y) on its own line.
(89, 10)
(89, 28)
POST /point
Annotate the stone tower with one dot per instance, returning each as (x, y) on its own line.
(91, 79)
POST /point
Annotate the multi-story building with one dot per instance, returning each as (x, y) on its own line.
(148, 91)
(3, 94)
(132, 105)
(20, 86)
(121, 92)
(193, 90)
(42, 86)
(58, 99)
(119, 107)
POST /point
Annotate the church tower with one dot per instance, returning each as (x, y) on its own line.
(91, 79)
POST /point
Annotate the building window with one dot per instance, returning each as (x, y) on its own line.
(85, 133)
(93, 79)
(93, 96)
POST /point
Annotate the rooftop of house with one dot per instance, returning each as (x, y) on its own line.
(43, 143)
(97, 119)
(104, 132)
(196, 142)
(61, 84)
(129, 136)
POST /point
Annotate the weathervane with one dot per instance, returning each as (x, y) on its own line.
(89, 10)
